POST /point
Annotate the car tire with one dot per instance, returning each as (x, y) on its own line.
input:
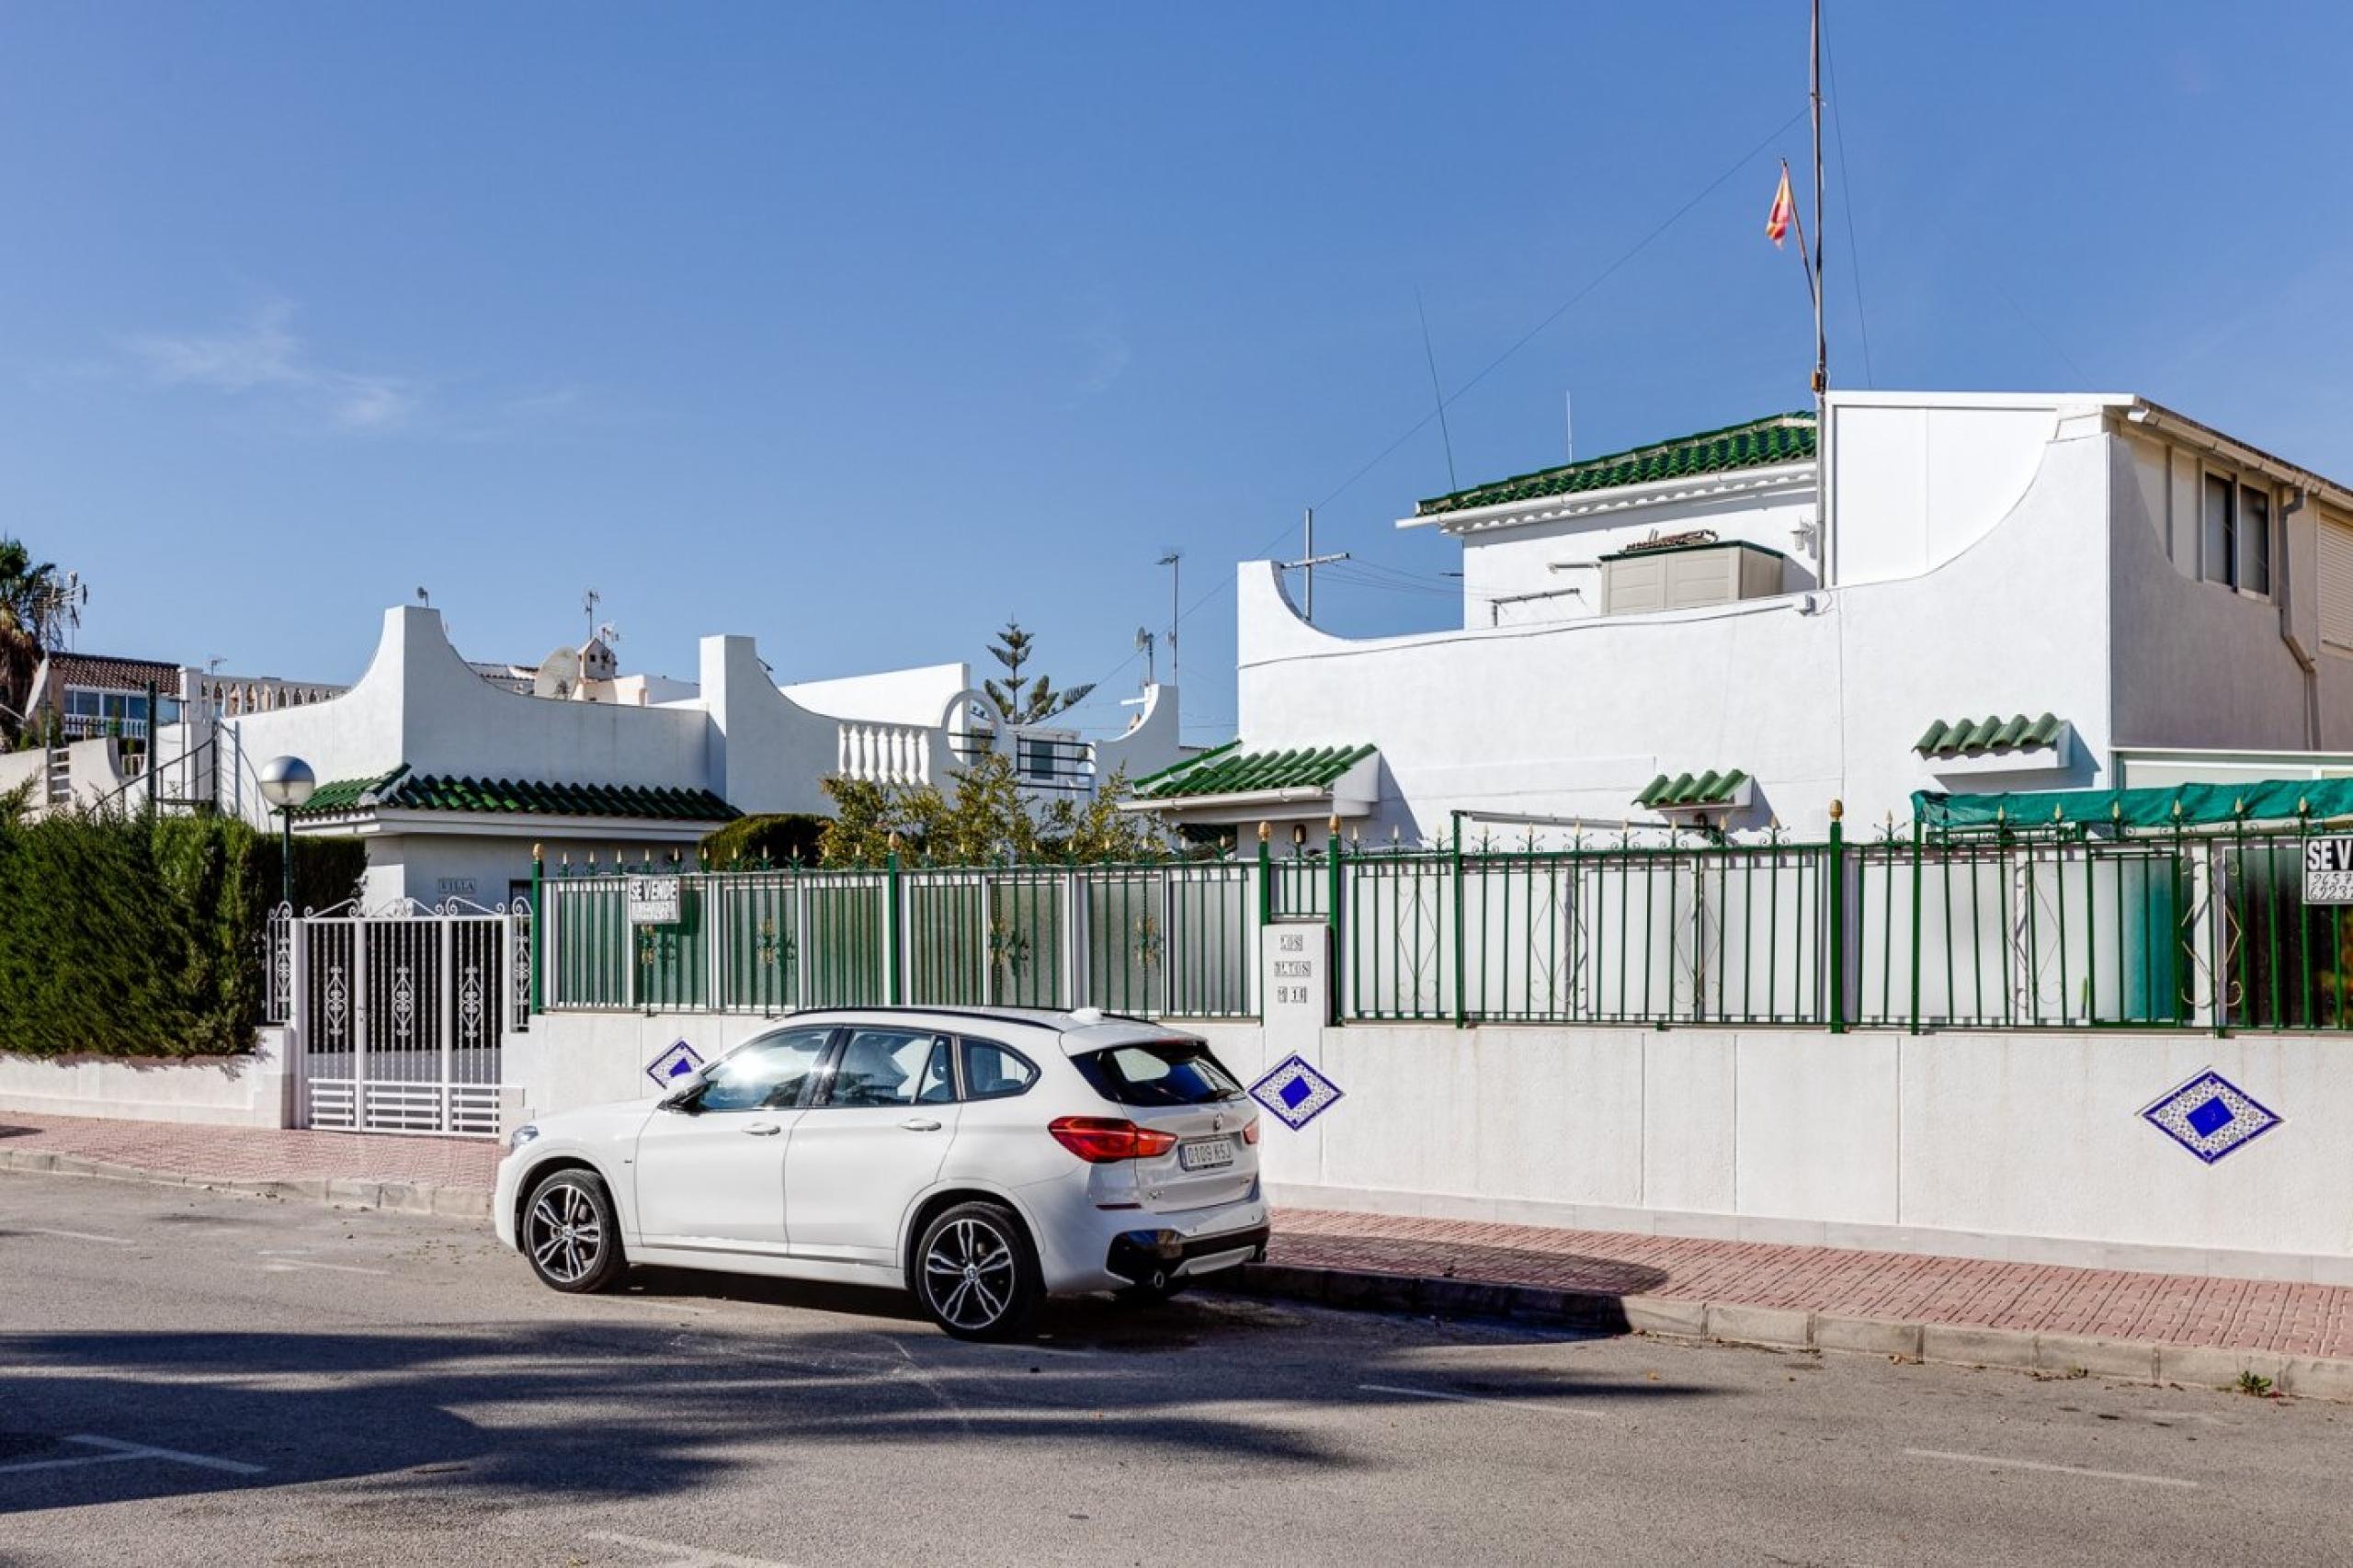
(571, 1235)
(975, 1273)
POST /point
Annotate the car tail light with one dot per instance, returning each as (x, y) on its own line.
(1250, 1131)
(1101, 1140)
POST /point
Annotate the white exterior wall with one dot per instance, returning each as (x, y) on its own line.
(740, 737)
(917, 696)
(2198, 664)
(22, 769)
(1819, 696)
(2027, 1146)
(1539, 571)
(253, 1090)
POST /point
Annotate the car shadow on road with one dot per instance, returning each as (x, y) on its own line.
(595, 1408)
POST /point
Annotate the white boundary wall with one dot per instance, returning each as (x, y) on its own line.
(2021, 1146)
(253, 1090)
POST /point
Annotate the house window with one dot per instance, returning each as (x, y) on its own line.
(2255, 540)
(89, 711)
(2221, 565)
(2236, 530)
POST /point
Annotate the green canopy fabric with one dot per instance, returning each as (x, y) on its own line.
(2192, 805)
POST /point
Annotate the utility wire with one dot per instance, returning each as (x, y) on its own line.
(1532, 333)
(1437, 391)
(1490, 368)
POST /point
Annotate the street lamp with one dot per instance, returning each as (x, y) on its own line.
(287, 783)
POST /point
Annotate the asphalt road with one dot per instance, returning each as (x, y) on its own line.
(188, 1377)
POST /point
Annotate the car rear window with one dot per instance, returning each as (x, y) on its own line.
(1158, 1071)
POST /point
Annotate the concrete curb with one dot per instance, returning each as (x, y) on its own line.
(450, 1202)
(1785, 1328)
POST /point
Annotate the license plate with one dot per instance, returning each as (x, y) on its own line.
(1207, 1154)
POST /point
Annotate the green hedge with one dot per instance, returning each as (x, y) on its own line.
(142, 936)
(778, 838)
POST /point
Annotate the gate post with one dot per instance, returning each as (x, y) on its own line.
(537, 928)
(1837, 917)
(447, 1098)
(361, 1017)
(893, 931)
(298, 1022)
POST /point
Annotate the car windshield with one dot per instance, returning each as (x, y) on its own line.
(1158, 1071)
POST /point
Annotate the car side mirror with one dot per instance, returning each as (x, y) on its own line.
(688, 1100)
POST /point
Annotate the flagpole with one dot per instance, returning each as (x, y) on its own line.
(1821, 504)
(1821, 343)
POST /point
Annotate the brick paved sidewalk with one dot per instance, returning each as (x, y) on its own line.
(2273, 1316)
(253, 1153)
(2267, 1316)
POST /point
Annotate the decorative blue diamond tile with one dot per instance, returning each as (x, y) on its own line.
(2210, 1116)
(1295, 1091)
(675, 1062)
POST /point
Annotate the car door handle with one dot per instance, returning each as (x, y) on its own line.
(764, 1130)
(920, 1124)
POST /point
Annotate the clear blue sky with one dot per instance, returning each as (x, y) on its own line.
(861, 328)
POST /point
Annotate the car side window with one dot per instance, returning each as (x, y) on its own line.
(993, 1071)
(891, 1067)
(768, 1073)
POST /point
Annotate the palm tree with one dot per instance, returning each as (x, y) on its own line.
(34, 607)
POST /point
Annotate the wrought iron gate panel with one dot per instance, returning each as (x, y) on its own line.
(403, 1017)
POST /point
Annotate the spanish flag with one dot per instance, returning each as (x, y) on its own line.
(1777, 221)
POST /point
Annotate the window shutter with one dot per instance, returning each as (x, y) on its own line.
(2335, 583)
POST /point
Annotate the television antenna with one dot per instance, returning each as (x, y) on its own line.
(1144, 646)
(1305, 566)
(1174, 560)
(588, 603)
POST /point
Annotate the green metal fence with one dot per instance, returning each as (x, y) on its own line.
(1658, 935)
(2063, 928)
(2076, 928)
(1177, 940)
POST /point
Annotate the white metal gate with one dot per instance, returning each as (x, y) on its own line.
(401, 1015)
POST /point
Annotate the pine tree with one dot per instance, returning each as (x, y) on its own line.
(1025, 699)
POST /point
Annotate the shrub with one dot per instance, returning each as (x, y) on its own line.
(778, 838)
(143, 936)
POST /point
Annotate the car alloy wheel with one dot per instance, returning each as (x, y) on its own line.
(974, 1276)
(568, 1234)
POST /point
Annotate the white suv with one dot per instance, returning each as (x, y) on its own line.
(981, 1158)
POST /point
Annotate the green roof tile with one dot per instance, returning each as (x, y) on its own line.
(402, 790)
(1230, 770)
(1971, 737)
(1685, 789)
(1777, 438)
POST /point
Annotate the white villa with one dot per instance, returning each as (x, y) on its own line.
(1955, 592)
(451, 771)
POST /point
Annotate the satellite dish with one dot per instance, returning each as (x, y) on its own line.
(559, 674)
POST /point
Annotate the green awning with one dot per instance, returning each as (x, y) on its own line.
(1971, 737)
(1687, 790)
(402, 790)
(1230, 770)
(2192, 805)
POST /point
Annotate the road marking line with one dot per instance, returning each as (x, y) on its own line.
(118, 1453)
(79, 1236)
(688, 1556)
(1452, 1397)
(64, 1464)
(2001, 1464)
(287, 1260)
